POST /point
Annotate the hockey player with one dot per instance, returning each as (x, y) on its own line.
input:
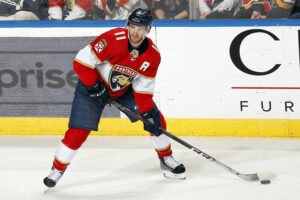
(120, 64)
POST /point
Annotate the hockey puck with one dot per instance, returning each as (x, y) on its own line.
(265, 181)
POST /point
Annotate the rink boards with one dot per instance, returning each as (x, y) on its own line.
(217, 78)
(179, 127)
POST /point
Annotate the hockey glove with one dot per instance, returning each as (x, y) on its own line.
(153, 116)
(98, 90)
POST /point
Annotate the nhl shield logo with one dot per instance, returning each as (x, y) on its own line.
(134, 53)
(120, 77)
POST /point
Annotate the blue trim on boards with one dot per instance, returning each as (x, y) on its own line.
(157, 23)
(227, 23)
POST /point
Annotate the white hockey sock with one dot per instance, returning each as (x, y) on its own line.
(64, 154)
(160, 142)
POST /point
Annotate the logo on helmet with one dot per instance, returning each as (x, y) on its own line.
(139, 13)
(140, 17)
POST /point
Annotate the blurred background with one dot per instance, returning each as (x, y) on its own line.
(162, 9)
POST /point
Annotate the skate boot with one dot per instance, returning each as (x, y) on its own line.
(171, 168)
(54, 176)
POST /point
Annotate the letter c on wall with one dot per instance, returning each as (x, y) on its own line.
(235, 52)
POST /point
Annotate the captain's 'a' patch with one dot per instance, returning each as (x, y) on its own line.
(100, 45)
(120, 77)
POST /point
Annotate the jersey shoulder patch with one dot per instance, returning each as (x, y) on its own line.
(100, 45)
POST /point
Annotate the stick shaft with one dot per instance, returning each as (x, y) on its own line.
(189, 146)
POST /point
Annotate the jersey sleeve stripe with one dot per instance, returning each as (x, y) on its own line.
(85, 64)
(142, 92)
(143, 85)
(120, 33)
(121, 38)
(154, 47)
(145, 77)
(84, 57)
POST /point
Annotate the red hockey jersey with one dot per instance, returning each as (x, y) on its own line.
(111, 58)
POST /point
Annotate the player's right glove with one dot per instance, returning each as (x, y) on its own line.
(98, 90)
(153, 116)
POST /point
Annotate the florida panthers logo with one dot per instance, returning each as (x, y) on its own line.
(120, 77)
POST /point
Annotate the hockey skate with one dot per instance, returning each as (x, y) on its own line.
(171, 168)
(54, 176)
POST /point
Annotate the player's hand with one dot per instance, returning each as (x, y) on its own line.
(263, 17)
(255, 15)
(153, 116)
(203, 15)
(98, 90)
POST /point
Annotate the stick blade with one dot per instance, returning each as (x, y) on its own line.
(249, 177)
(266, 176)
(258, 177)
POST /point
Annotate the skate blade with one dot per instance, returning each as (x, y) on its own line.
(170, 175)
(46, 190)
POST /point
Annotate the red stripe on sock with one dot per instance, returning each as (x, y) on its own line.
(59, 166)
(164, 152)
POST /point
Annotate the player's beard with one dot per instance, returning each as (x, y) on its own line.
(136, 41)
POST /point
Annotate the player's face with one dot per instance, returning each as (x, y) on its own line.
(136, 34)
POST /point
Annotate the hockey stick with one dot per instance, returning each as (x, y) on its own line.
(246, 177)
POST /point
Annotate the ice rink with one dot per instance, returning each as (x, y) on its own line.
(111, 168)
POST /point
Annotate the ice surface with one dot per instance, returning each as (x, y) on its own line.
(112, 168)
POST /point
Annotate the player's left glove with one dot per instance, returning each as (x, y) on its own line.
(153, 116)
